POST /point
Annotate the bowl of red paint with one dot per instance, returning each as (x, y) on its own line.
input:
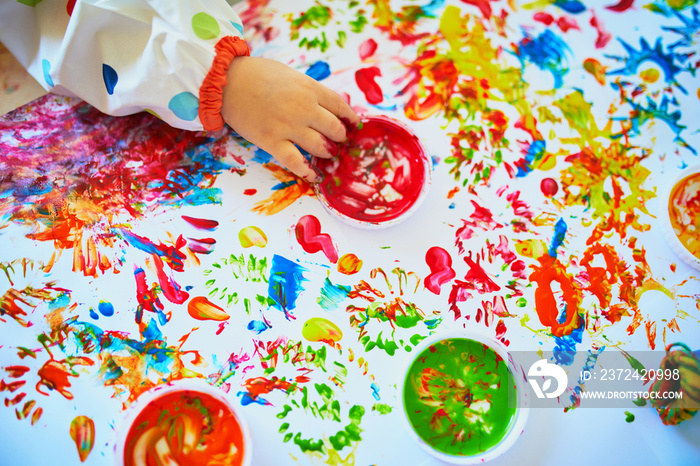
(462, 399)
(679, 215)
(185, 422)
(379, 177)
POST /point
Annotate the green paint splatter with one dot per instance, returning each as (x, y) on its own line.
(629, 417)
(382, 408)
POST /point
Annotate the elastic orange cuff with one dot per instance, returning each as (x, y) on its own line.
(211, 92)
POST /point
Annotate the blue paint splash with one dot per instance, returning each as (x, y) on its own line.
(106, 308)
(375, 391)
(565, 346)
(246, 399)
(332, 295)
(319, 71)
(635, 58)
(284, 285)
(691, 26)
(571, 6)
(559, 235)
(258, 326)
(535, 151)
(547, 52)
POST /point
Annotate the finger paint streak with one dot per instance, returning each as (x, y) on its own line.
(252, 236)
(82, 431)
(309, 236)
(201, 223)
(551, 270)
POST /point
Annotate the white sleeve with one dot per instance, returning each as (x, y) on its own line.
(121, 56)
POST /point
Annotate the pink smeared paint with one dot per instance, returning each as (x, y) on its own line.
(367, 48)
(309, 236)
(201, 245)
(441, 271)
(171, 290)
(603, 36)
(549, 187)
(365, 81)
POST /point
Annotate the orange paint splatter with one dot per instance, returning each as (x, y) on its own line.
(594, 67)
(54, 374)
(349, 264)
(283, 198)
(552, 270)
(201, 308)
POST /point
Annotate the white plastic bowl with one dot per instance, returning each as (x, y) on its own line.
(664, 218)
(517, 425)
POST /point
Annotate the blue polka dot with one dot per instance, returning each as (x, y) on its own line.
(239, 27)
(106, 308)
(110, 78)
(185, 106)
(319, 70)
(46, 68)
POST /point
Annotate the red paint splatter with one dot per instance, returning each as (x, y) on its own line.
(309, 236)
(69, 7)
(484, 6)
(201, 223)
(441, 270)
(651, 333)
(365, 79)
(621, 6)
(147, 297)
(171, 290)
(543, 17)
(565, 23)
(201, 245)
(250, 191)
(367, 48)
(603, 36)
(549, 187)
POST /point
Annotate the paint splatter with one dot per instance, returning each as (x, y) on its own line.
(201, 308)
(349, 264)
(441, 271)
(321, 329)
(252, 236)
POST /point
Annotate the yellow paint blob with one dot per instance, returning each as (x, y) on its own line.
(650, 75)
(594, 67)
(252, 236)
(321, 329)
(531, 248)
(349, 264)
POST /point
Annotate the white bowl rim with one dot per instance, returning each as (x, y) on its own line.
(665, 220)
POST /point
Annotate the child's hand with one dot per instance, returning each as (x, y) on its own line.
(275, 107)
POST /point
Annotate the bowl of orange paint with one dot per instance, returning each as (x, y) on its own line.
(680, 216)
(379, 177)
(185, 422)
(463, 400)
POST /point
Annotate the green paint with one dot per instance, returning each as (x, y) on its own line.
(351, 433)
(308, 444)
(521, 302)
(387, 345)
(382, 408)
(629, 417)
(640, 402)
(31, 3)
(285, 410)
(456, 395)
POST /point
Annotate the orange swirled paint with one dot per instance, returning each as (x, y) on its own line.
(185, 427)
(349, 264)
(684, 212)
(201, 308)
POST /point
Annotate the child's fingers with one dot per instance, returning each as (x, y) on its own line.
(329, 125)
(338, 107)
(315, 143)
(289, 156)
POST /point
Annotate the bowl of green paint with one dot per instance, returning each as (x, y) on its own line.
(462, 399)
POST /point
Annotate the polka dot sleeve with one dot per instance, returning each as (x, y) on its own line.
(162, 56)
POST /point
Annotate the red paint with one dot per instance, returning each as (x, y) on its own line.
(147, 297)
(201, 223)
(260, 386)
(54, 374)
(484, 6)
(69, 7)
(171, 290)
(620, 6)
(201, 245)
(367, 48)
(603, 36)
(441, 270)
(565, 23)
(197, 429)
(250, 191)
(549, 187)
(309, 236)
(542, 17)
(365, 81)
(378, 175)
